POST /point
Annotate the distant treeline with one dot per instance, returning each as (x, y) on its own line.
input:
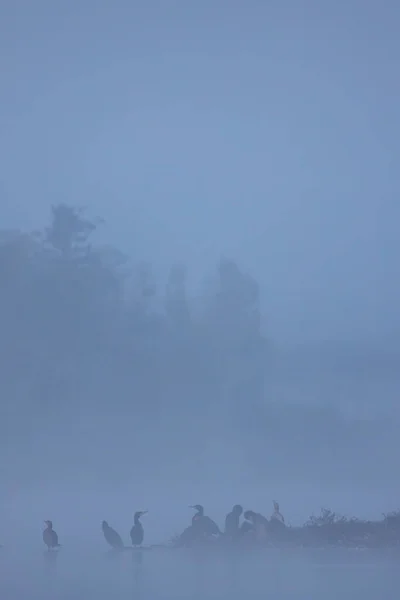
(87, 334)
(86, 329)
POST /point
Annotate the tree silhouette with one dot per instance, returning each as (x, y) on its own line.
(88, 336)
(69, 231)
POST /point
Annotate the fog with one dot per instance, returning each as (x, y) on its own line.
(199, 287)
(164, 575)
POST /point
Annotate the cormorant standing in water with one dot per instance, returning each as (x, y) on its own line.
(112, 537)
(232, 530)
(50, 537)
(137, 531)
(204, 524)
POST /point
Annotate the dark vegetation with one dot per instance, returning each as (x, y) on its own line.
(326, 530)
(93, 349)
(100, 362)
(329, 528)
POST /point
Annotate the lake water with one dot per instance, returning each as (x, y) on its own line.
(92, 572)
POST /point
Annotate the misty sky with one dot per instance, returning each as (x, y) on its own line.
(264, 130)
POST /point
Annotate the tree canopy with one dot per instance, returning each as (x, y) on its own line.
(95, 351)
(81, 332)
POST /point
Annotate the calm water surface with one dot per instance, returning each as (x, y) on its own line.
(165, 574)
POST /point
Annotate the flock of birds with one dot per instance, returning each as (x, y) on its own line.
(112, 537)
(201, 527)
(137, 532)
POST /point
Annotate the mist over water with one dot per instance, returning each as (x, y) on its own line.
(199, 292)
(80, 571)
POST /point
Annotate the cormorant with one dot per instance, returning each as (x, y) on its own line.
(137, 531)
(187, 537)
(202, 523)
(50, 537)
(277, 515)
(199, 512)
(232, 522)
(277, 521)
(255, 522)
(246, 527)
(111, 536)
(198, 530)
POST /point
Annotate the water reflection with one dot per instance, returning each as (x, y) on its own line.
(137, 565)
(50, 562)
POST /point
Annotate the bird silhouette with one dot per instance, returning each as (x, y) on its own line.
(202, 523)
(137, 531)
(111, 536)
(232, 522)
(50, 537)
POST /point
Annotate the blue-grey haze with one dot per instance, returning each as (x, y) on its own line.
(266, 131)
